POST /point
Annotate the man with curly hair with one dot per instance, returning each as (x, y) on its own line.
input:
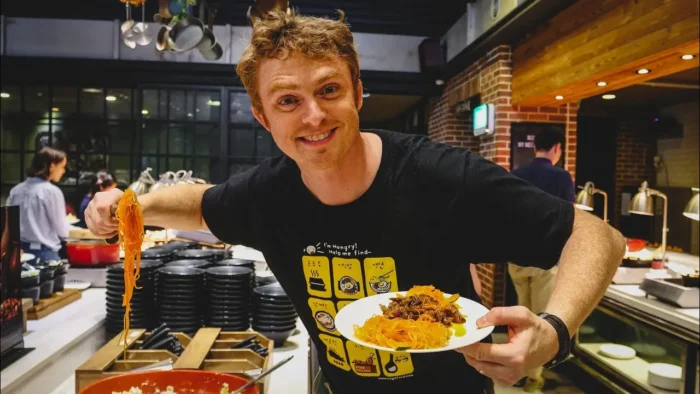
(348, 213)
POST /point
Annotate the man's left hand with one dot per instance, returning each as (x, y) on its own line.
(532, 342)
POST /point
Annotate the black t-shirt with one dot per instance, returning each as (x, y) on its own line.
(431, 210)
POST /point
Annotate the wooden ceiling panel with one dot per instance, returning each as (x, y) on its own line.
(608, 40)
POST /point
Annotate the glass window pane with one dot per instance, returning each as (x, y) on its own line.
(240, 111)
(208, 106)
(36, 100)
(263, 144)
(178, 105)
(10, 133)
(190, 105)
(64, 101)
(175, 164)
(241, 141)
(92, 102)
(10, 99)
(202, 168)
(119, 137)
(36, 134)
(119, 167)
(119, 103)
(163, 103)
(150, 137)
(150, 106)
(162, 166)
(11, 170)
(176, 141)
(207, 139)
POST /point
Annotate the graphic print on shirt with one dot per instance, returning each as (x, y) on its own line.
(363, 360)
(334, 279)
(396, 364)
(317, 271)
(335, 351)
(380, 275)
(323, 312)
(347, 278)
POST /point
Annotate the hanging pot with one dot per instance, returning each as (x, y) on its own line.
(162, 39)
(186, 34)
(141, 30)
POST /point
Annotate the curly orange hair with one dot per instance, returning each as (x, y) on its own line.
(279, 34)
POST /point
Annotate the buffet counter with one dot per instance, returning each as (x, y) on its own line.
(633, 342)
(67, 338)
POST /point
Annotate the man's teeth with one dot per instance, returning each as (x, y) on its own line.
(317, 137)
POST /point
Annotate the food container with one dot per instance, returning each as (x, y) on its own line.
(32, 292)
(46, 289)
(59, 283)
(92, 252)
(30, 278)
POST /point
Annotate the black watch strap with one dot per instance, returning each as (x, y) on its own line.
(564, 339)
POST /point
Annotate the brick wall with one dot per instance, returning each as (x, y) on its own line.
(490, 76)
(635, 154)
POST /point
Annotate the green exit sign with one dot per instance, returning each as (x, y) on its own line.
(483, 119)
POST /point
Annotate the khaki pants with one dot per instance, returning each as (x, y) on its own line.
(534, 288)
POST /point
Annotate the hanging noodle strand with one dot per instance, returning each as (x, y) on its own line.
(131, 237)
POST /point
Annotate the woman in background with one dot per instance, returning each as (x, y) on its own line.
(101, 182)
(42, 207)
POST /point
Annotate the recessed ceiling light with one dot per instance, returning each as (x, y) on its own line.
(144, 112)
(111, 98)
(4, 95)
(643, 71)
(214, 103)
(688, 57)
(602, 83)
(55, 109)
(559, 97)
(608, 96)
(439, 82)
(92, 90)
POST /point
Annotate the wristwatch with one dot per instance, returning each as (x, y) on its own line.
(564, 339)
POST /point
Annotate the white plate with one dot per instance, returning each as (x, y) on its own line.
(620, 352)
(357, 312)
(76, 284)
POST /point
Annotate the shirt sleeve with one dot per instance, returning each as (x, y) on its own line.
(56, 208)
(569, 188)
(227, 209)
(509, 219)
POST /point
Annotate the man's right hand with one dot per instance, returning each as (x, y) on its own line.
(98, 214)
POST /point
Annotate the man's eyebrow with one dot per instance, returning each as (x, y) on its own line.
(282, 85)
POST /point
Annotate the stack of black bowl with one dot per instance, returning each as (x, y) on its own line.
(181, 295)
(158, 253)
(191, 263)
(211, 255)
(143, 299)
(228, 301)
(273, 313)
(237, 263)
(166, 252)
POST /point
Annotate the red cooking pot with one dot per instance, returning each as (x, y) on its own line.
(91, 252)
(182, 381)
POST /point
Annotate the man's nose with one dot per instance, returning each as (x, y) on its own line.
(314, 114)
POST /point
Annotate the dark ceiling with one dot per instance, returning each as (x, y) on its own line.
(653, 95)
(428, 18)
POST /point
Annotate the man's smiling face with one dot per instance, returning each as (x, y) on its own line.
(310, 107)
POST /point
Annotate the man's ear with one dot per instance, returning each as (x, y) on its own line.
(359, 90)
(261, 118)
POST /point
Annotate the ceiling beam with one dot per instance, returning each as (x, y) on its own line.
(604, 40)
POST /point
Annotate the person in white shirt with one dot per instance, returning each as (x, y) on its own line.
(42, 205)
